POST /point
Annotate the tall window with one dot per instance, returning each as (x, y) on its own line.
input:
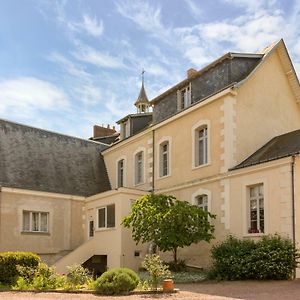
(202, 202)
(164, 159)
(121, 166)
(201, 146)
(35, 221)
(184, 97)
(106, 216)
(139, 168)
(256, 209)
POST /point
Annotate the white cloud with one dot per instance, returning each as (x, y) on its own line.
(147, 17)
(89, 25)
(26, 95)
(194, 9)
(92, 56)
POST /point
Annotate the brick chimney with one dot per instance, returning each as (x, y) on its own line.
(100, 131)
(191, 72)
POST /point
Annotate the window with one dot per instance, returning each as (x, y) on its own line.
(139, 168)
(106, 216)
(35, 221)
(201, 146)
(184, 97)
(202, 202)
(120, 167)
(256, 209)
(164, 159)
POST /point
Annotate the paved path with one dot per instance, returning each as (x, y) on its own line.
(241, 290)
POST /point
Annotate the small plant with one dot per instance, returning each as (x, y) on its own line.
(78, 276)
(116, 281)
(40, 278)
(157, 270)
(179, 266)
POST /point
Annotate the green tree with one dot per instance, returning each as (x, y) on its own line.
(168, 222)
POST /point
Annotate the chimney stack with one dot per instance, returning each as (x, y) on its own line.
(191, 72)
(100, 131)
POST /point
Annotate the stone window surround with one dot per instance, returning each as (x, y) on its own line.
(137, 151)
(163, 140)
(123, 157)
(105, 208)
(195, 128)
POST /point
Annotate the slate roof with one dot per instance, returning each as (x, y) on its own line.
(41, 160)
(284, 145)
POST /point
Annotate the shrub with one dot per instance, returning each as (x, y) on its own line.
(272, 257)
(157, 270)
(40, 278)
(116, 281)
(177, 266)
(78, 275)
(9, 262)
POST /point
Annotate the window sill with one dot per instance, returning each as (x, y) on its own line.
(35, 233)
(105, 229)
(138, 184)
(246, 235)
(201, 166)
(163, 177)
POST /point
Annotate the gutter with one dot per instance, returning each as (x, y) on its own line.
(293, 206)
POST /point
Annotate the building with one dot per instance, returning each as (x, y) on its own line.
(227, 138)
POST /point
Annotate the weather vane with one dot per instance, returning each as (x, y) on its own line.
(143, 71)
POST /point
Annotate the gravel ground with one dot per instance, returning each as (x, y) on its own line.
(246, 290)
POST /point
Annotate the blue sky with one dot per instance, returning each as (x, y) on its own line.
(67, 65)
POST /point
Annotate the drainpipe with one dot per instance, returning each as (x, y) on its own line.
(153, 160)
(293, 205)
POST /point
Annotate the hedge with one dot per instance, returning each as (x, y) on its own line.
(9, 261)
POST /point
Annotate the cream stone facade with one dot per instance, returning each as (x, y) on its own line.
(226, 138)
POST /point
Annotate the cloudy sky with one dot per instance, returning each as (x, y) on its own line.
(66, 65)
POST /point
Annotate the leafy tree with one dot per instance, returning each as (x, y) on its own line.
(168, 222)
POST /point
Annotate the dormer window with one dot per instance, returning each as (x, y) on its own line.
(184, 98)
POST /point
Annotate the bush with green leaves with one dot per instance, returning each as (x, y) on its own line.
(116, 281)
(157, 270)
(78, 275)
(41, 277)
(9, 262)
(177, 266)
(271, 257)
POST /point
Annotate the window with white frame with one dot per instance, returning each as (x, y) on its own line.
(201, 146)
(164, 159)
(184, 97)
(120, 170)
(106, 216)
(34, 221)
(202, 201)
(256, 209)
(139, 168)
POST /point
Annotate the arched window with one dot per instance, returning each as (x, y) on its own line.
(139, 167)
(201, 146)
(164, 159)
(202, 201)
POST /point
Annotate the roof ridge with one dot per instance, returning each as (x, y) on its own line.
(49, 131)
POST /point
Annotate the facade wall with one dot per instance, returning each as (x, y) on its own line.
(265, 107)
(127, 149)
(65, 223)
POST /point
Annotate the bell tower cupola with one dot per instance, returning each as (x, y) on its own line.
(142, 103)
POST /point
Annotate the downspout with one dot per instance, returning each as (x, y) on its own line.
(153, 160)
(293, 205)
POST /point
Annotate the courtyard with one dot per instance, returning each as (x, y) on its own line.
(233, 290)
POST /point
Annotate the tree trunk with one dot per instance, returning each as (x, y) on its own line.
(175, 254)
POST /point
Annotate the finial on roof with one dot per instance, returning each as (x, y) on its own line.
(142, 103)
